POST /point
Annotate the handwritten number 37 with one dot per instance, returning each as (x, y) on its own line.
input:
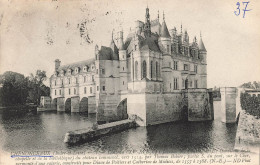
(238, 9)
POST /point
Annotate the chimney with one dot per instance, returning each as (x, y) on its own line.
(57, 64)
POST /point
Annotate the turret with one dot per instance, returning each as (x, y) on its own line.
(165, 38)
(186, 43)
(147, 25)
(174, 40)
(194, 48)
(122, 61)
(203, 67)
(96, 52)
(114, 49)
(202, 51)
(120, 41)
(57, 64)
(186, 37)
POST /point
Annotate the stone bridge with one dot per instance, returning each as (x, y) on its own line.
(74, 104)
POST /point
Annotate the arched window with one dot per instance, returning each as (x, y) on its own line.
(157, 70)
(144, 69)
(151, 69)
(136, 70)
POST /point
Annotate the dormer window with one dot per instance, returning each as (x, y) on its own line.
(62, 72)
(85, 68)
(197, 54)
(76, 70)
(69, 71)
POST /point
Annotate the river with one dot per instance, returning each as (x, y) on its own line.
(46, 130)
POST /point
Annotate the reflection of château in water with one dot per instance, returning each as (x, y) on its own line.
(154, 75)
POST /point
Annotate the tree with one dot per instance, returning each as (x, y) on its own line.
(14, 88)
(37, 88)
(254, 85)
(247, 85)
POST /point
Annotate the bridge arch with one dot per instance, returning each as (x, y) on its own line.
(122, 109)
(68, 105)
(83, 105)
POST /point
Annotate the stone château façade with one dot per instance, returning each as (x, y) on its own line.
(155, 75)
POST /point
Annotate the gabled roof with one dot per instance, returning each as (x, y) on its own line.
(164, 31)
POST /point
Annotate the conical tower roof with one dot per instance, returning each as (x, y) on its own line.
(201, 45)
(121, 44)
(164, 30)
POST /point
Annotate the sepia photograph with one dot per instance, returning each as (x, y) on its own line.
(129, 82)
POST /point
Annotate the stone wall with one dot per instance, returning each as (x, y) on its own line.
(85, 135)
(107, 107)
(75, 104)
(200, 105)
(92, 104)
(191, 104)
(45, 101)
(162, 108)
(60, 104)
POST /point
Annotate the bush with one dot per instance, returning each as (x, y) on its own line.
(251, 104)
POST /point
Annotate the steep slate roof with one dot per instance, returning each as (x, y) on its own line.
(156, 26)
(105, 53)
(164, 31)
(201, 45)
(80, 64)
(150, 43)
(115, 50)
(129, 39)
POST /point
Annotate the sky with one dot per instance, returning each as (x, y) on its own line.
(35, 33)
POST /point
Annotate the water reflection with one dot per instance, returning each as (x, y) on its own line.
(46, 130)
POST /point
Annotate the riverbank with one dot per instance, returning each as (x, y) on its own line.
(18, 108)
(248, 133)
